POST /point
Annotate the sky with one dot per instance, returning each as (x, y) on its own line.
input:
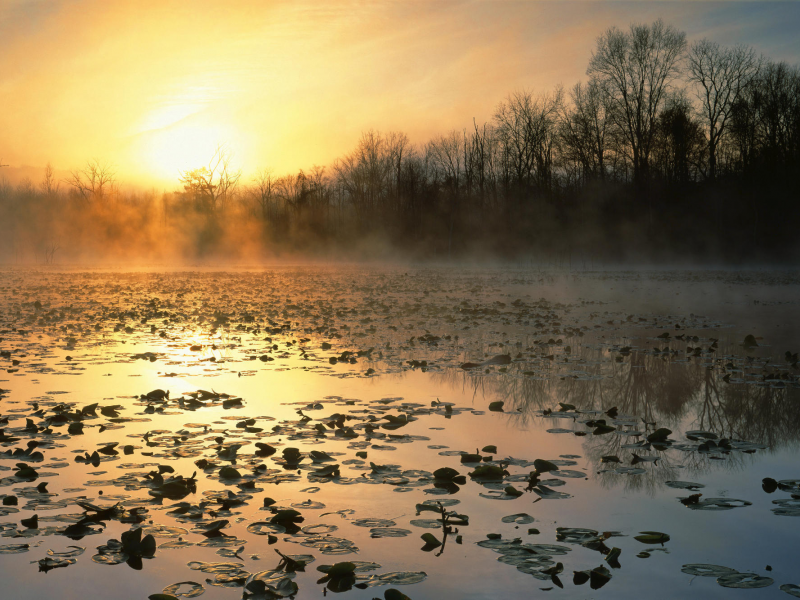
(154, 87)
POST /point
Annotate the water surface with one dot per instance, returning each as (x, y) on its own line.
(348, 361)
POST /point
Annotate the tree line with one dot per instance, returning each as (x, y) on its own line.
(667, 150)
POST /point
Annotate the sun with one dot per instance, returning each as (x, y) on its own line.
(178, 134)
(179, 147)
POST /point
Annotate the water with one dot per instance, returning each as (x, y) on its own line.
(589, 341)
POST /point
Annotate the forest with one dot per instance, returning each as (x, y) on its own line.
(669, 150)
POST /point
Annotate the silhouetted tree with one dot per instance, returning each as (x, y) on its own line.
(584, 129)
(213, 185)
(263, 193)
(681, 146)
(637, 69)
(95, 182)
(719, 74)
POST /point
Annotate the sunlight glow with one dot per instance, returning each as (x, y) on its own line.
(182, 146)
(167, 115)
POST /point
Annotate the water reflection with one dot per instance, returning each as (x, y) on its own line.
(733, 397)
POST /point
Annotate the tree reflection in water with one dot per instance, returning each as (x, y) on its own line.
(662, 389)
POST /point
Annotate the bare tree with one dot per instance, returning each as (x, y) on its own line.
(365, 174)
(50, 252)
(95, 182)
(447, 153)
(720, 75)
(681, 146)
(637, 69)
(293, 189)
(397, 146)
(526, 128)
(584, 129)
(263, 192)
(212, 185)
(49, 185)
(479, 160)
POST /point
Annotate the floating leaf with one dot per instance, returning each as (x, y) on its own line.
(382, 532)
(684, 485)
(426, 523)
(76, 551)
(48, 563)
(374, 523)
(769, 485)
(264, 528)
(430, 541)
(185, 589)
(543, 466)
(652, 537)
(659, 435)
(791, 589)
(488, 472)
(519, 519)
(718, 504)
(549, 494)
(340, 569)
(445, 473)
(704, 570)
(746, 581)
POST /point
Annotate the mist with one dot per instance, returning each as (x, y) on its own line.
(689, 155)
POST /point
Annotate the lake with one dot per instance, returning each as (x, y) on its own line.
(391, 432)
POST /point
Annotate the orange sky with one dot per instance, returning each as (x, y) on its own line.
(154, 86)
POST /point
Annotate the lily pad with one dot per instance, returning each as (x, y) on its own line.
(718, 504)
(791, 589)
(185, 589)
(519, 519)
(394, 578)
(382, 532)
(426, 523)
(374, 523)
(264, 528)
(787, 507)
(651, 537)
(684, 485)
(547, 493)
(745, 581)
(705, 570)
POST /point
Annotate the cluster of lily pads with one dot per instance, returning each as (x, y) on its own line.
(379, 325)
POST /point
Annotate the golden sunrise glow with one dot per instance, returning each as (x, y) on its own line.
(154, 87)
(171, 150)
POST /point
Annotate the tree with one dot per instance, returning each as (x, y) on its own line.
(447, 153)
(95, 182)
(213, 185)
(479, 161)
(526, 126)
(584, 129)
(720, 75)
(263, 192)
(49, 184)
(636, 69)
(765, 122)
(779, 108)
(681, 144)
(365, 174)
